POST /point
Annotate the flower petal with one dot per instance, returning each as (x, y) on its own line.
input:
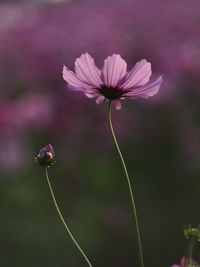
(73, 81)
(87, 71)
(117, 104)
(145, 91)
(89, 95)
(72, 88)
(113, 70)
(187, 262)
(100, 99)
(139, 75)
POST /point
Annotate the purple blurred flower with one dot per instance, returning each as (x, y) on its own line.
(113, 82)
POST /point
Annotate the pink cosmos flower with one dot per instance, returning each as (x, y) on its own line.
(186, 262)
(113, 82)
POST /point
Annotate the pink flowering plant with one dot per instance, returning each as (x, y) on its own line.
(112, 84)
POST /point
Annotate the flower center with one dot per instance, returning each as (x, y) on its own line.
(111, 93)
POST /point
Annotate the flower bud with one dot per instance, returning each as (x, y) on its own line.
(46, 156)
(191, 232)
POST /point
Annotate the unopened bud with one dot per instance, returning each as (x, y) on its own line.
(191, 232)
(46, 156)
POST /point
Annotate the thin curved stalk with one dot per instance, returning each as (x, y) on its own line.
(129, 187)
(63, 221)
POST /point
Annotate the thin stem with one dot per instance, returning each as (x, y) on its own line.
(190, 251)
(190, 248)
(62, 219)
(129, 187)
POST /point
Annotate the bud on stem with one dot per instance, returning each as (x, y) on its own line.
(46, 156)
(193, 236)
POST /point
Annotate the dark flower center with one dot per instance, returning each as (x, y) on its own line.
(111, 93)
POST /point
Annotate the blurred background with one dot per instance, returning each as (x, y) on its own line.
(160, 137)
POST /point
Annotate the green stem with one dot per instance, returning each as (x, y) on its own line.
(62, 219)
(190, 251)
(129, 187)
(191, 247)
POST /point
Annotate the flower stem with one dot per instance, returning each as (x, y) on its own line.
(190, 248)
(62, 219)
(129, 187)
(190, 251)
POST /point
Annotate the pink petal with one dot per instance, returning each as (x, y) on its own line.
(187, 261)
(87, 71)
(113, 70)
(139, 75)
(89, 95)
(117, 104)
(145, 91)
(100, 99)
(92, 93)
(73, 81)
(72, 88)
